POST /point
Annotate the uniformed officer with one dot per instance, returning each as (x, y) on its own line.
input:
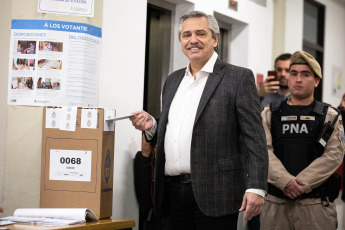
(305, 140)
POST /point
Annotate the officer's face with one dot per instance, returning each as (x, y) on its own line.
(196, 40)
(302, 81)
(282, 69)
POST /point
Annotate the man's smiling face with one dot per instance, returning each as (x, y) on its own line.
(196, 40)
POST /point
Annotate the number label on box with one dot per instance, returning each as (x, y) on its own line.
(70, 165)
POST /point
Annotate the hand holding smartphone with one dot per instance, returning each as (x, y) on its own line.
(271, 84)
(272, 73)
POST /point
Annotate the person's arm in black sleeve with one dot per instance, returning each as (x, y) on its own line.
(142, 181)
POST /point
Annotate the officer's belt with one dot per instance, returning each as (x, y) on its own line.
(319, 192)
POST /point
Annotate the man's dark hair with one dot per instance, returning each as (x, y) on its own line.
(282, 57)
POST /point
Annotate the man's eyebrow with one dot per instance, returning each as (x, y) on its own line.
(188, 31)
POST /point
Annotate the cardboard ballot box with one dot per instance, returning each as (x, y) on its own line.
(77, 166)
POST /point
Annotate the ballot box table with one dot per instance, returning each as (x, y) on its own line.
(104, 224)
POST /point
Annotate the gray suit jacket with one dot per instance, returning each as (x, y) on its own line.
(228, 138)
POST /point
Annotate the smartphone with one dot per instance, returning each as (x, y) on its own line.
(272, 73)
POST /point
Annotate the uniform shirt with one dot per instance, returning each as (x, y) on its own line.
(319, 170)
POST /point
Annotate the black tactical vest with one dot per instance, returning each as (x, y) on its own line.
(295, 130)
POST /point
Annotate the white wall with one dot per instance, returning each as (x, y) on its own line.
(334, 55)
(294, 26)
(121, 87)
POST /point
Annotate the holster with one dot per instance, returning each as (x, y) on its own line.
(333, 185)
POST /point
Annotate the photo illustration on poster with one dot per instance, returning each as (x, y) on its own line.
(54, 63)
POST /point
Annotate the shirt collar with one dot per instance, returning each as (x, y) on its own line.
(289, 102)
(208, 67)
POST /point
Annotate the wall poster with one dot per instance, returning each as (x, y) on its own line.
(54, 63)
(338, 82)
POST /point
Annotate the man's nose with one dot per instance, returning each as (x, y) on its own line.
(299, 77)
(194, 39)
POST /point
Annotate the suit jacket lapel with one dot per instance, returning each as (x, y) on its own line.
(211, 84)
(171, 90)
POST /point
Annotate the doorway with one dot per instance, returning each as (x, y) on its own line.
(157, 59)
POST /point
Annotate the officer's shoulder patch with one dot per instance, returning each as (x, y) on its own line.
(307, 118)
(343, 137)
(288, 118)
(332, 109)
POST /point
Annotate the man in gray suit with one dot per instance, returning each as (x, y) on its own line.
(211, 158)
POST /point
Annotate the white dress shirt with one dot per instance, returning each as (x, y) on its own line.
(178, 136)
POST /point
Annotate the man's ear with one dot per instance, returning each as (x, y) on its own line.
(216, 41)
(317, 81)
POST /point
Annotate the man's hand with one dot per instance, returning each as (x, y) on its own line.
(142, 120)
(253, 204)
(294, 189)
(1, 209)
(270, 85)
